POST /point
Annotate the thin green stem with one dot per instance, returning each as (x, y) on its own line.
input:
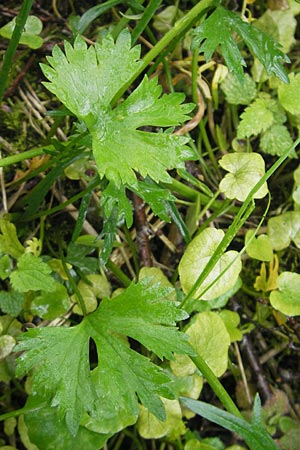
(118, 273)
(74, 286)
(20, 411)
(13, 44)
(208, 146)
(13, 159)
(216, 385)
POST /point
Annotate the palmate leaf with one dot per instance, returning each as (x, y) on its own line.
(218, 30)
(87, 79)
(110, 392)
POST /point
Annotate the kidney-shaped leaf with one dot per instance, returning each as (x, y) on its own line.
(245, 170)
(283, 229)
(210, 339)
(195, 258)
(287, 298)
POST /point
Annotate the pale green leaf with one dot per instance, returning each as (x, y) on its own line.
(217, 30)
(49, 305)
(32, 274)
(231, 320)
(287, 298)
(258, 247)
(245, 170)
(7, 343)
(61, 356)
(95, 286)
(29, 36)
(256, 118)
(238, 93)
(289, 94)
(283, 229)
(165, 19)
(210, 339)
(9, 242)
(149, 427)
(195, 258)
(276, 140)
(87, 79)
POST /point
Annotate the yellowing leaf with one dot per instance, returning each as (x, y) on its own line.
(196, 257)
(149, 427)
(258, 248)
(283, 229)
(9, 242)
(287, 298)
(264, 283)
(245, 170)
(210, 339)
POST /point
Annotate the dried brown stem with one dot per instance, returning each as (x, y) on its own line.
(142, 232)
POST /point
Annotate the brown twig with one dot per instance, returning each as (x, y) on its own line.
(142, 232)
(262, 384)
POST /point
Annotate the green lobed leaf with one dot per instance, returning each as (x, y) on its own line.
(218, 29)
(32, 274)
(87, 79)
(276, 140)
(237, 92)
(195, 259)
(289, 94)
(255, 119)
(61, 355)
(245, 170)
(283, 229)
(156, 197)
(287, 298)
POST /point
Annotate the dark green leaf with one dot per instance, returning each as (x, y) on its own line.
(218, 30)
